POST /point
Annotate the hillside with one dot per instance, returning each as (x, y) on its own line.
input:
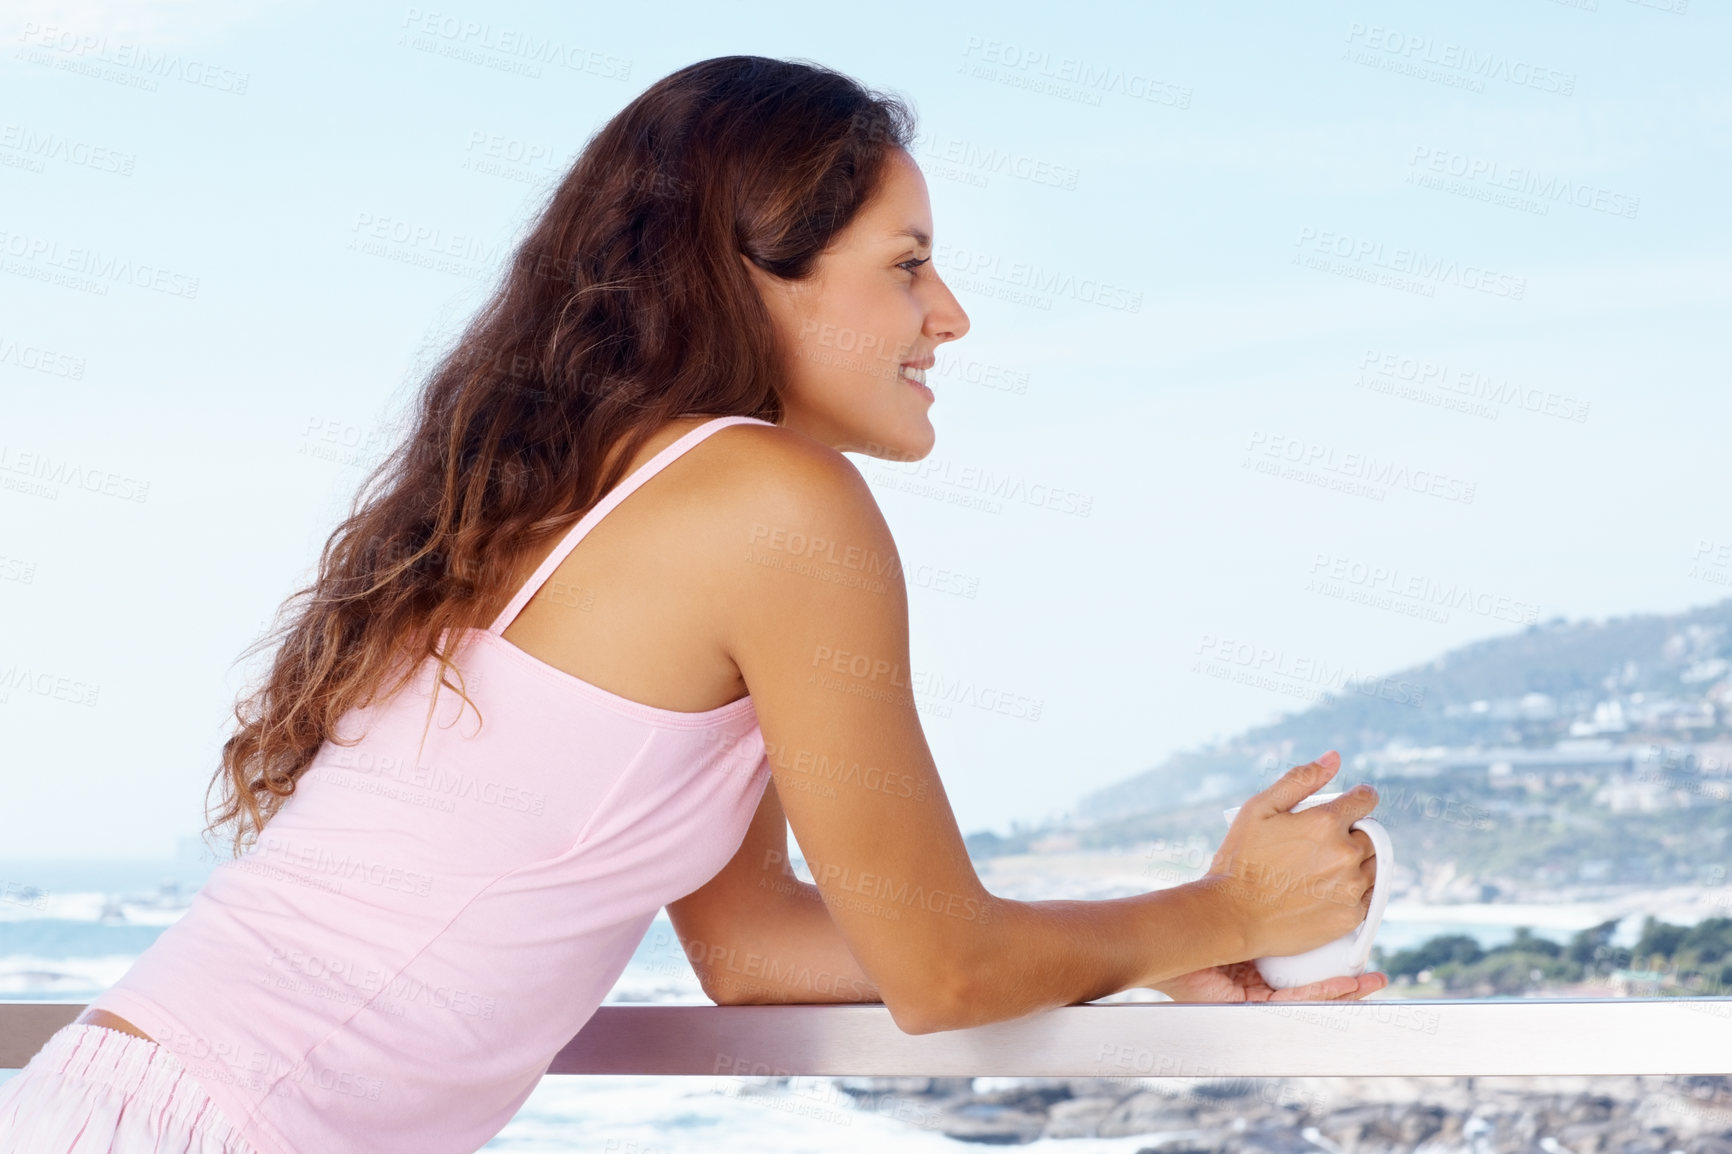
(1629, 680)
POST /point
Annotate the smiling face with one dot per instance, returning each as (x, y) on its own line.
(858, 335)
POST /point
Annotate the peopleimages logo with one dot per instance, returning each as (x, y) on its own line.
(103, 268)
(1044, 282)
(1470, 385)
(37, 147)
(471, 40)
(1521, 179)
(1389, 586)
(990, 487)
(1470, 62)
(1271, 449)
(1313, 678)
(40, 360)
(89, 54)
(1411, 262)
(1066, 76)
(28, 680)
(54, 471)
(984, 161)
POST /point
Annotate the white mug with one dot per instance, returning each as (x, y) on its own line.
(1350, 954)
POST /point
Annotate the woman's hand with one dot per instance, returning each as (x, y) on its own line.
(1276, 863)
(1240, 982)
(1297, 880)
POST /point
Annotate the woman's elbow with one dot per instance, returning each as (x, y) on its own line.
(918, 1020)
(736, 994)
(931, 1003)
(934, 1007)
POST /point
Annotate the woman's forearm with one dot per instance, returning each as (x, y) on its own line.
(1021, 957)
(789, 950)
(1031, 956)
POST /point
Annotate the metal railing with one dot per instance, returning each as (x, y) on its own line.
(1393, 1036)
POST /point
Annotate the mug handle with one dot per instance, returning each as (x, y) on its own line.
(1360, 953)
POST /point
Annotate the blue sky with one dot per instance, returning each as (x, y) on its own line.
(1373, 294)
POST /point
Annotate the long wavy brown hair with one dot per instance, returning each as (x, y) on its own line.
(627, 306)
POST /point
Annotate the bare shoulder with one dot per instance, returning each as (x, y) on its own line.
(782, 462)
(779, 490)
(791, 550)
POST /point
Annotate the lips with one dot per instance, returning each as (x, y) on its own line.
(916, 370)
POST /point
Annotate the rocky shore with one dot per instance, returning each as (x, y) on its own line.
(1691, 1114)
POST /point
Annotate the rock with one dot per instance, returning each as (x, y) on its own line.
(1224, 1088)
(1081, 1117)
(1391, 1125)
(1710, 1144)
(1586, 1137)
(1035, 1094)
(1196, 1143)
(1272, 1140)
(991, 1124)
(1560, 1115)
(1118, 1089)
(950, 1086)
(1148, 1112)
(862, 1087)
(1356, 1128)
(1449, 1134)
(916, 1102)
(1591, 1108)
(1641, 1142)
(1419, 1124)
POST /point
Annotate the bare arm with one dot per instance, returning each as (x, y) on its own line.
(755, 933)
(810, 591)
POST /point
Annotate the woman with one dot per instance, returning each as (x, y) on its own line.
(732, 285)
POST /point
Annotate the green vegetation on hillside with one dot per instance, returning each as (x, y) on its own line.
(1673, 960)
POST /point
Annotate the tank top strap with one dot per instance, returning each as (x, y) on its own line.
(602, 507)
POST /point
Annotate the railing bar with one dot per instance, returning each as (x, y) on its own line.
(1405, 1037)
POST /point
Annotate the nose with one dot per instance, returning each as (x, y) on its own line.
(945, 320)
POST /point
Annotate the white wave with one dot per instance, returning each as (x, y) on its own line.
(25, 975)
(136, 909)
(142, 914)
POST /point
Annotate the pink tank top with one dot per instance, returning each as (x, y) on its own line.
(440, 907)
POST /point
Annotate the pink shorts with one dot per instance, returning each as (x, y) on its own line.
(92, 1090)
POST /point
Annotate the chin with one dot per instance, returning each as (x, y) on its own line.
(907, 441)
